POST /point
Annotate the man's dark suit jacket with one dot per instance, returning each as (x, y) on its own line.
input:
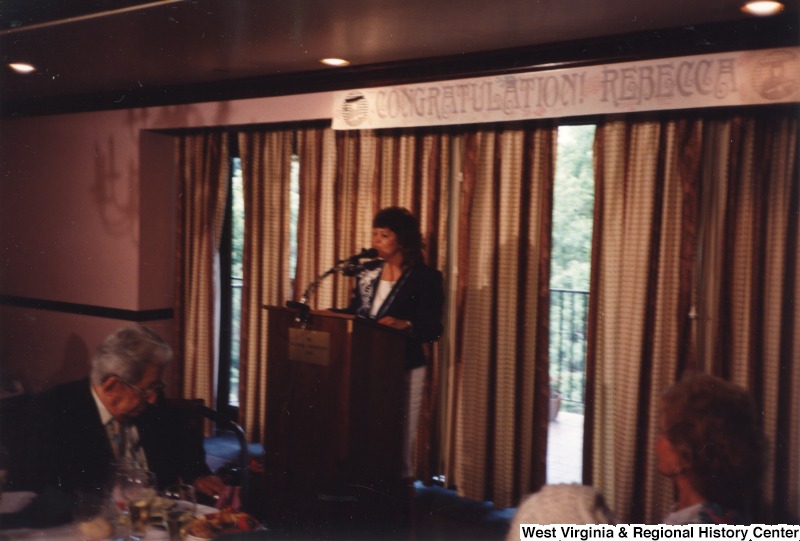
(418, 297)
(71, 450)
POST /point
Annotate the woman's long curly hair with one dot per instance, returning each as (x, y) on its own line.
(406, 227)
(714, 426)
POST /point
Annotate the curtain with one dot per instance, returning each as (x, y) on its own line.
(266, 173)
(316, 150)
(345, 178)
(203, 165)
(502, 313)
(646, 175)
(749, 320)
(336, 208)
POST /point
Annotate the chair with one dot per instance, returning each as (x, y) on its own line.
(15, 433)
(198, 412)
(222, 422)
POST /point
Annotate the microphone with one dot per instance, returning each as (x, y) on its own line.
(365, 253)
(371, 265)
(347, 265)
(353, 269)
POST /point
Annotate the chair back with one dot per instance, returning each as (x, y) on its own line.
(199, 412)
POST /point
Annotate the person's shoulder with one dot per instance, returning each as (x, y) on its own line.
(63, 402)
(713, 513)
(70, 389)
(426, 271)
(687, 515)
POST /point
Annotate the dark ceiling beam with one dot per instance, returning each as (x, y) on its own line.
(749, 34)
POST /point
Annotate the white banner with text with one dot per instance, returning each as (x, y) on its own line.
(714, 80)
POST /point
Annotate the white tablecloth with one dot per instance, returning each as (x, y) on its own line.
(14, 501)
(67, 532)
(11, 502)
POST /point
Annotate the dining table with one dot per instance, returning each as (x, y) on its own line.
(69, 532)
(13, 502)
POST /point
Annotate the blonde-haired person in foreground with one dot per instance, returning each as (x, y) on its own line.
(561, 504)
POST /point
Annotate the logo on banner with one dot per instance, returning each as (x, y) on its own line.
(355, 108)
(777, 75)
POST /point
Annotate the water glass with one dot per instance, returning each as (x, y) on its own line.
(137, 489)
(120, 468)
(180, 511)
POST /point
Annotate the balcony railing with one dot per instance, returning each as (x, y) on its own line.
(569, 311)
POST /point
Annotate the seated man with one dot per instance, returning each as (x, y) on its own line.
(84, 427)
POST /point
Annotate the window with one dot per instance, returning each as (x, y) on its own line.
(232, 247)
(573, 208)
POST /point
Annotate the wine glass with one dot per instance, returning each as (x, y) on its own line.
(137, 488)
(180, 509)
(120, 479)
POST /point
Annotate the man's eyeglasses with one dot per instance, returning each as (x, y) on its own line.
(149, 393)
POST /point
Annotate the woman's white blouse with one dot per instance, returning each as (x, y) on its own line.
(384, 288)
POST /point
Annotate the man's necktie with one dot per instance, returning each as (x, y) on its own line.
(125, 443)
(116, 436)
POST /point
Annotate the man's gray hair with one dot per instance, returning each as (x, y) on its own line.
(126, 352)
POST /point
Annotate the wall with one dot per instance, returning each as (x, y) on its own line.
(87, 225)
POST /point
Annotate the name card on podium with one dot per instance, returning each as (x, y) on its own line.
(310, 346)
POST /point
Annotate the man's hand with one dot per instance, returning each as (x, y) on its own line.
(210, 485)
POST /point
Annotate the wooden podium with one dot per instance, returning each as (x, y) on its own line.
(335, 388)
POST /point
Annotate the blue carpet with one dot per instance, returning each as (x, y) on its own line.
(446, 504)
(224, 448)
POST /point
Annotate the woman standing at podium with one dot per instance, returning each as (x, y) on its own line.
(406, 294)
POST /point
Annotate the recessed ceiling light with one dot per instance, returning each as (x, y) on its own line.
(337, 62)
(762, 8)
(22, 67)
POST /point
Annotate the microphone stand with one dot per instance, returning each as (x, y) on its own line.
(350, 268)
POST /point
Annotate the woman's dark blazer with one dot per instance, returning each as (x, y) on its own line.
(417, 296)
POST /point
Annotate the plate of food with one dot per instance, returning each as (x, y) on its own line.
(212, 525)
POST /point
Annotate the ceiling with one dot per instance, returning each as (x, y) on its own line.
(115, 52)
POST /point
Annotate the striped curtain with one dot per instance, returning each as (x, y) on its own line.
(412, 170)
(749, 318)
(336, 208)
(345, 178)
(266, 170)
(647, 176)
(503, 308)
(203, 166)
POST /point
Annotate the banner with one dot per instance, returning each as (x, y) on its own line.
(714, 80)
